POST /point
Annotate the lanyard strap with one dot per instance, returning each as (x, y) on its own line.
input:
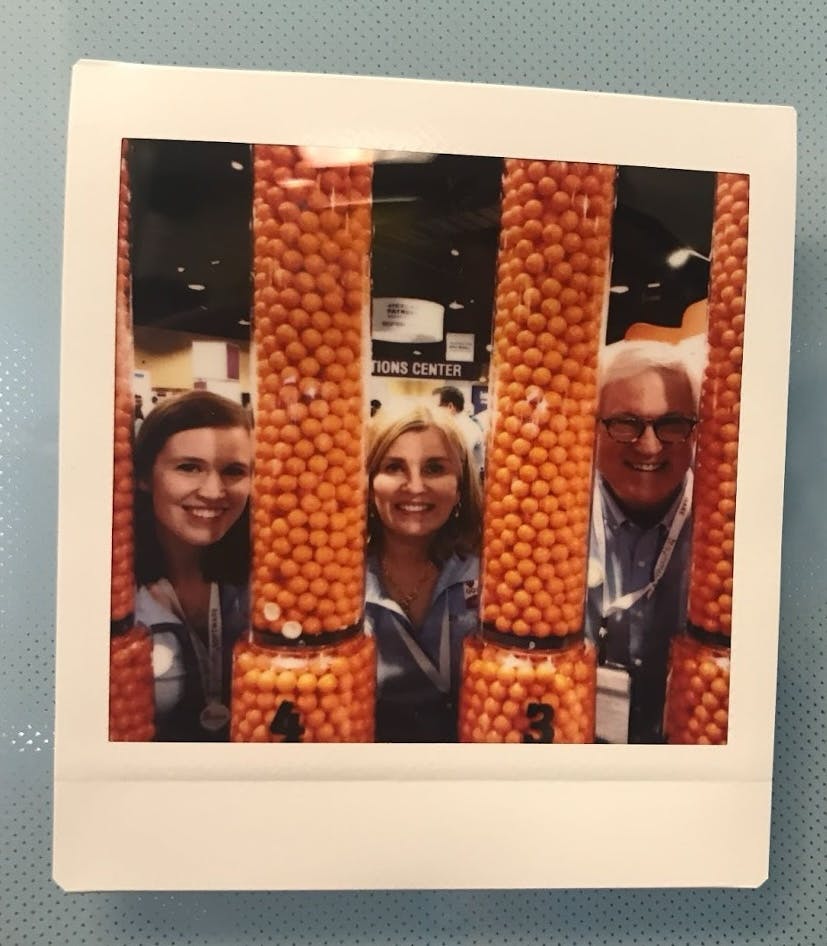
(210, 660)
(440, 676)
(625, 601)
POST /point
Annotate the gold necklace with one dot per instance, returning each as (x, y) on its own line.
(405, 598)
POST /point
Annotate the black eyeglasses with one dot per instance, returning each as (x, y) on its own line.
(629, 428)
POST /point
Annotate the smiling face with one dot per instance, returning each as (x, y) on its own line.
(416, 485)
(200, 484)
(646, 474)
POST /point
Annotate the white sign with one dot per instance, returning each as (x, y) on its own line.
(459, 346)
(410, 321)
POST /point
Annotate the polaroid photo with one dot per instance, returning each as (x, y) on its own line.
(421, 472)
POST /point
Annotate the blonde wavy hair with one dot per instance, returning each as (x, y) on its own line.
(462, 533)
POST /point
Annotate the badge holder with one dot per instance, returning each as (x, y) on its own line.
(613, 704)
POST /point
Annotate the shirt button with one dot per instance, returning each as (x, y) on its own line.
(637, 662)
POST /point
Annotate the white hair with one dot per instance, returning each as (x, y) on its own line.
(629, 358)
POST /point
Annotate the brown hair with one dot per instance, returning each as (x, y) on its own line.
(461, 534)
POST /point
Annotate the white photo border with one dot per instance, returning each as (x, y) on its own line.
(192, 816)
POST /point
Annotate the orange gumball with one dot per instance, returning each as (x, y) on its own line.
(122, 603)
(303, 694)
(310, 403)
(546, 331)
(697, 694)
(509, 695)
(131, 687)
(710, 600)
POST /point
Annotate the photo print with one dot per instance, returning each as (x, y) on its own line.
(413, 445)
(444, 474)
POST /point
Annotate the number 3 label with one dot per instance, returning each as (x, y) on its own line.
(287, 722)
(540, 717)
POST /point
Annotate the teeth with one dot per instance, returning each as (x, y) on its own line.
(413, 507)
(646, 467)
(205, 513)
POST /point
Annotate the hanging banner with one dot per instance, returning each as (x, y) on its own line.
(409, 321)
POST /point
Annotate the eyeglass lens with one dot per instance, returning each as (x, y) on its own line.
(668, 429)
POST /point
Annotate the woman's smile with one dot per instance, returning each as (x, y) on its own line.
(201, 512)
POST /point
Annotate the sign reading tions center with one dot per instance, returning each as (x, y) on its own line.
(399, 368)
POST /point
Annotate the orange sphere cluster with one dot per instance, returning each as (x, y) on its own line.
(551, 285)
(713, 541)
(304, 695)
(312, 232)
(511, 695)
(697, 694)
(122, 580)
(131, 687)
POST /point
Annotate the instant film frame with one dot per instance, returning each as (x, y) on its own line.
(333, 816)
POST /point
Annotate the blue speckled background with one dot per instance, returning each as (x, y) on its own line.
(749, 52)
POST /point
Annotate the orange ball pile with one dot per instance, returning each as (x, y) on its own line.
(312, 232)
(713, 540)
(511, 695)
(131, 687)
(697, 694)
(304, 695)
(551, 284)
(122, 580)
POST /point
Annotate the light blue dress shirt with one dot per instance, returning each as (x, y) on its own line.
(638, 637)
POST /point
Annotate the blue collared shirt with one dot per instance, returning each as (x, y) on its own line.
(639, 637)
(415, 704)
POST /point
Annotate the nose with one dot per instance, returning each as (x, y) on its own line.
(212, 486)
(648, 442)
(415, 482)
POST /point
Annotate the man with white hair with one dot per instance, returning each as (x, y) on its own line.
(641, 528)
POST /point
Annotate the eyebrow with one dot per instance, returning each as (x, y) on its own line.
(650, 417)
(435, 456)
(196, 459)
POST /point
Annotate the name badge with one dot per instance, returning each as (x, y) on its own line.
(614, 698)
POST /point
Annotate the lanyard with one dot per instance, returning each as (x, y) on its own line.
(625, 601)
(210, 664)
(440, 676)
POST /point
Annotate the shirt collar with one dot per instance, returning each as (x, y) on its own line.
(616, 517)
(455, 571)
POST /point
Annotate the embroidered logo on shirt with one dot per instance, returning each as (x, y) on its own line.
(471, 591)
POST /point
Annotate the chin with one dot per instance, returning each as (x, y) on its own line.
(416, 529)
(643, 500)
(202, 537)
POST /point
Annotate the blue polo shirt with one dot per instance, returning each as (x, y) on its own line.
(639, 637)
(418, 670)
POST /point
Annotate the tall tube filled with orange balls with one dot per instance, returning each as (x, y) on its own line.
(697, 700)
(131, 694)
(308, 672)
(530, 677)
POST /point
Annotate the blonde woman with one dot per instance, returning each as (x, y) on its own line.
(425, 512)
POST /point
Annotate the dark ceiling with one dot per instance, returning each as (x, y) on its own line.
(436, 227)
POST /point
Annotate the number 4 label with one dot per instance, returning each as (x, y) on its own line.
(287, 722)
